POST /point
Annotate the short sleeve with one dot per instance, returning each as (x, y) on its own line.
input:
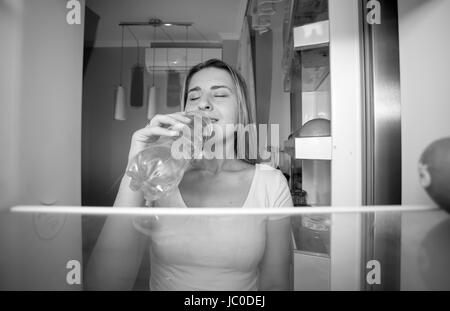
(281, 195)
(144, 224)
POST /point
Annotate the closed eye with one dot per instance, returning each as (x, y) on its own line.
(220, 94)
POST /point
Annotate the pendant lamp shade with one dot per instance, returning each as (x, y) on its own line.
(120, 102)
(137, 86)
(151, 103)
(120, 107)
(137, 79)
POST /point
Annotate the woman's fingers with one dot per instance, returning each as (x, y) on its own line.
(169, 119)
(180, 116)
(161, 120)
(161, 125)
(148, 132)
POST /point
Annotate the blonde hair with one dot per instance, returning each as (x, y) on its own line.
(244, 118)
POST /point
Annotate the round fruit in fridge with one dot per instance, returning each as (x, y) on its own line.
(315, 128)
(434, 172)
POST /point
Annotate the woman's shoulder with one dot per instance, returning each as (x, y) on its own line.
(265, 174)
(270, 172)
(272, 178)
(274, 184)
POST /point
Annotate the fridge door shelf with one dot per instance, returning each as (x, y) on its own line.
(311, 35)
(310, 148)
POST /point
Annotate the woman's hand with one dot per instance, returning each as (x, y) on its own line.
(158, 126)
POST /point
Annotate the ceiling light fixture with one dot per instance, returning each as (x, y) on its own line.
(155, 22)
(137, 78)
(120, 101)
(151, 103)
(176, 55)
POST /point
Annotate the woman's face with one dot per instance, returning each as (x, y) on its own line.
(212, 90)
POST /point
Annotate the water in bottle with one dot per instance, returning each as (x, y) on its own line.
(158, 169)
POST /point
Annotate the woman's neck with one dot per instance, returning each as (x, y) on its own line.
(214, 166)
(226, 160)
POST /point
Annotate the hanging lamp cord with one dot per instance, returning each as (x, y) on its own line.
(154, 52)
(137, 42)
(187, 31)
(121, 58)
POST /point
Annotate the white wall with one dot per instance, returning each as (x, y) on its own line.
(41, 58)
(346, 185)
(10, 34)
(424, 76)
(40, 157)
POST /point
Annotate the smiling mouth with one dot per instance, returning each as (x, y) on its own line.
(214, 120)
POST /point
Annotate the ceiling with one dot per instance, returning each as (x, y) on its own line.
(216, 20)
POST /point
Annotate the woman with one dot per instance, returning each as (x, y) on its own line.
(203, 252)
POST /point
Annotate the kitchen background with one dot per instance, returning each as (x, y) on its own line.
(61, 145)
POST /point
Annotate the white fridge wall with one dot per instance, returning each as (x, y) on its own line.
(40, 158)
(418, 263)
(10, 32)
(36, 249)
(311, 273)
(346, 163)
(424, 75)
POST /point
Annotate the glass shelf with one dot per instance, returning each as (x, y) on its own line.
(39, 249)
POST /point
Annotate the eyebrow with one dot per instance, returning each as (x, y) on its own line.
(214, 87)
(194, 89)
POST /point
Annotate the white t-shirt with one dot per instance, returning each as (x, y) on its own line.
(214, 252)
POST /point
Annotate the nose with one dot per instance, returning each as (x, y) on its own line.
(205, 104)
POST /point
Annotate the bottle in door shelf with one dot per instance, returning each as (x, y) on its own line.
(314, 234)
(299, 197)
(311, 232)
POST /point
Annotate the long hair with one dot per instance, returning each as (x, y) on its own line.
(245, 118)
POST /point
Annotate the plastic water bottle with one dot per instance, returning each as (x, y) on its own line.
(158, 169)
